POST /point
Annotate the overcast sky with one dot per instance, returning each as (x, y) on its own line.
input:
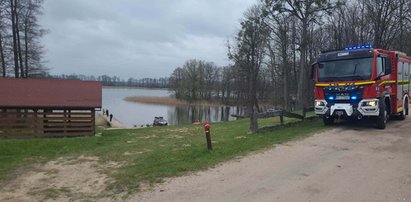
(137, 38)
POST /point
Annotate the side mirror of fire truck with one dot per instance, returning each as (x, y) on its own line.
(380, 75)
(312, 70)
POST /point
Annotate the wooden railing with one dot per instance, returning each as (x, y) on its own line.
(283, 113)
(46, 122)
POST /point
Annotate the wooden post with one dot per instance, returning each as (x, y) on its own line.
(208, 135)
(3, 126)
(93, 121)
(304, 113)
(282, 118)
(65, 122)
(36, 122)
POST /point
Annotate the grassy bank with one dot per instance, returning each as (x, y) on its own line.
(149, 155)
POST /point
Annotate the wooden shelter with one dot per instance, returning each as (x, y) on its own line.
(39, 108)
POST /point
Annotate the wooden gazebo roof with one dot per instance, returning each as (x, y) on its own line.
(36, 93)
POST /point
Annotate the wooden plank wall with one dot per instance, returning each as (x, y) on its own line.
(15, 123)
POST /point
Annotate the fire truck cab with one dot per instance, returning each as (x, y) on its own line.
(362, 82)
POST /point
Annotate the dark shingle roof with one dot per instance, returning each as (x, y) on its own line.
(49, 93)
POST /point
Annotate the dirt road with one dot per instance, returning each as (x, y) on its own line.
(348, 163)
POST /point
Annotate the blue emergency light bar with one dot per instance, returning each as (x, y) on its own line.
(358, 47)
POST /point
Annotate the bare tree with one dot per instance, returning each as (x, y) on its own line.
(279, 25)
(176, 82)
(2, 37)
(382, 15)
(307, 12)
(33, 50)
(196, 80)
(2, 60)
(249, 54)
(18, 7)
(211, 75)
(226, 83)
(13, 12)
(27, 52)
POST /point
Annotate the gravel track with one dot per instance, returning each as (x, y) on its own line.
(347, 163)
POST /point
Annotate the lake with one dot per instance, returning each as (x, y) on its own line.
(133, 113)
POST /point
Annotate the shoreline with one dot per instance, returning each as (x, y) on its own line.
(102, 120)
(170, 101)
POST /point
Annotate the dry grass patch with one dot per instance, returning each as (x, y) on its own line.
(60, 179)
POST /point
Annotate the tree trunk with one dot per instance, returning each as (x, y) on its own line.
(3, 63)
(253, 120)
(13, 26)
(401, 22)
(294, 36)
(302, 76)
(285, 88)
(19, 45)
(284, 56)
(253, 103)
(26, 47)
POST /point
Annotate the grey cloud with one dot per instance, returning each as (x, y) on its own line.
(138, 39)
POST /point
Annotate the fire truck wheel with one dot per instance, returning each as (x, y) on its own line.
(328, 120)
(404, 113)
(382, 118)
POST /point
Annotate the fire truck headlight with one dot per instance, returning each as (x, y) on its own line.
(370, 104)
(319, 104)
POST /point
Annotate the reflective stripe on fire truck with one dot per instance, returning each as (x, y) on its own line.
(344, 84)
(364, 83)
(400, 82)
(403, 82)
(322, 84)
(387, 82)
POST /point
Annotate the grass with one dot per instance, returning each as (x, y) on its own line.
(151, 154)
(52, 193)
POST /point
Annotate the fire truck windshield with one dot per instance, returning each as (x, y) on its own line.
(345, 70)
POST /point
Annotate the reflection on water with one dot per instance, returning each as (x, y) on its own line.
(131, 113)
(190, 114)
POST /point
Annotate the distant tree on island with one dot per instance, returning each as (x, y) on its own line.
(201, 80)
(21, 53)
(196, 80)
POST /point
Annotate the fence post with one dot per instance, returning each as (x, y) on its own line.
(282, 117)
(208, 135)
(304, 113)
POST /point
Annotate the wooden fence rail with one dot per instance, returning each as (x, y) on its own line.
(46, 122)
(282, 114)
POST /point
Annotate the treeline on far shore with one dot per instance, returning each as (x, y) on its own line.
(117, 81)
(199, 80)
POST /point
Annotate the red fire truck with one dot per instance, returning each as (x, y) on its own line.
(362, 82)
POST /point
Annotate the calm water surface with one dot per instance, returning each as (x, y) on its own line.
(132, 113)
